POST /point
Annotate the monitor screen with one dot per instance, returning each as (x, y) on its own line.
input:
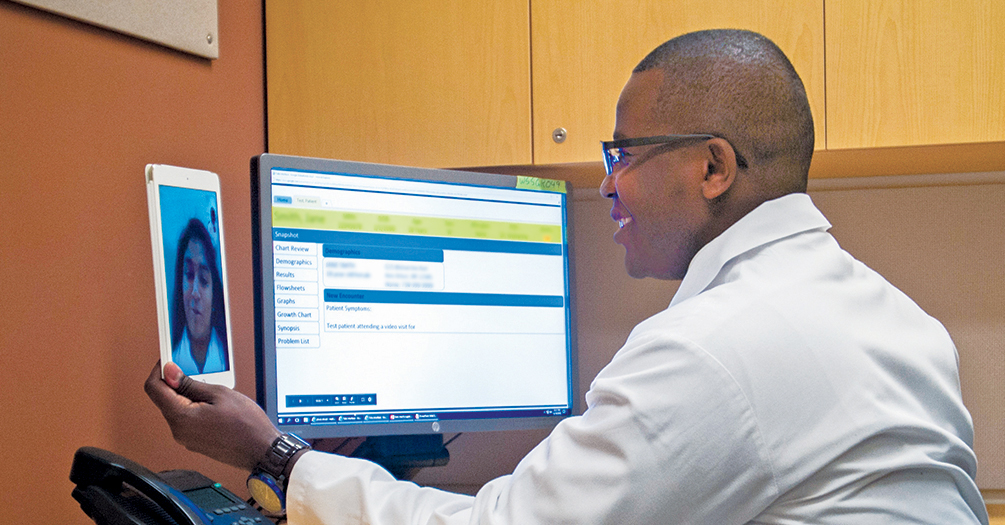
(396, 300)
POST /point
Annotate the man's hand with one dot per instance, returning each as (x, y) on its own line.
(212, 420)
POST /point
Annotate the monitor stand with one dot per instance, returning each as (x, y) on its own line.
(403, 456)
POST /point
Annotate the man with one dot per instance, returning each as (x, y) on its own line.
(785, 383)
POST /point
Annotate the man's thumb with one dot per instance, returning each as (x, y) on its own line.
(173, 375)
(184, 385)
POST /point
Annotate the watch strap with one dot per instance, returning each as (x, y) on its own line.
(282, 450)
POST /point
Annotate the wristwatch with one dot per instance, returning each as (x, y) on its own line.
(267, 483)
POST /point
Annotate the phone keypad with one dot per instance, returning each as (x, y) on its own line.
(243, 520)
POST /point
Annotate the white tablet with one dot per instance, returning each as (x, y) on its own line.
(186, 232)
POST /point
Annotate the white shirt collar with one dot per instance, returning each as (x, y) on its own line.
(771, 221)
(182, 355)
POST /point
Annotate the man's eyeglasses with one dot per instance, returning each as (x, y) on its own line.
(616, 158)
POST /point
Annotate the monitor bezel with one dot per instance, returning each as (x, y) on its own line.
(264, 296)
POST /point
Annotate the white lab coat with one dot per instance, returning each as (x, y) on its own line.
(786, 383)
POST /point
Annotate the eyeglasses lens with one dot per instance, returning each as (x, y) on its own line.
(613, 159)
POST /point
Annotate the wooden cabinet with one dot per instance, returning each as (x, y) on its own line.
(904, 72)
(584, 52)
(421, 82)
(448, 83)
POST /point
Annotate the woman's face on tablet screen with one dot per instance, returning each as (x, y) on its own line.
(197, 291)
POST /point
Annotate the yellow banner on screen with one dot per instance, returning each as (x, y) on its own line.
(414, 225)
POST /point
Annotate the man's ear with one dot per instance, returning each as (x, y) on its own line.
(721, 169)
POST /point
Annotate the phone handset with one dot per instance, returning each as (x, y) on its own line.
(99, 475)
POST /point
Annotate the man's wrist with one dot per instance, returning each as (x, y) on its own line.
(279, 458)
(264, 450)
(270, 478)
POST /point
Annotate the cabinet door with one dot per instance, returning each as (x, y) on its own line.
(906, 72)
(584, 52)
(442, 83)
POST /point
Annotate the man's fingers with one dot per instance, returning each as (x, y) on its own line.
(173, 375)
(176, 390)
(211, 419)
(159, 392)
(186, 386)
(197, 391)
(155, 373)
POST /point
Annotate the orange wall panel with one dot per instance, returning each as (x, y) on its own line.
(82, 110)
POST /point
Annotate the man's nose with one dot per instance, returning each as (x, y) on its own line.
(607, 187)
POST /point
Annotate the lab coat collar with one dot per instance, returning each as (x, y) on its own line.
(769, 222)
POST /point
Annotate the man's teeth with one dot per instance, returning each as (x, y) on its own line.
(624, 222)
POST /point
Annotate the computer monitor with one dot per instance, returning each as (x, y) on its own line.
(396, 300)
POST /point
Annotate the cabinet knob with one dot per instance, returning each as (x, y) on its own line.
(558, 135)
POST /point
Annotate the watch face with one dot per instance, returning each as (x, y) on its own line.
(265, 491)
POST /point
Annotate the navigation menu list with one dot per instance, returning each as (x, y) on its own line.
(298, 312)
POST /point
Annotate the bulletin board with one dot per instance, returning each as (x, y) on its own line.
(186, 25)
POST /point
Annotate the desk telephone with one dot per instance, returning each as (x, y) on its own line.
(113, 490)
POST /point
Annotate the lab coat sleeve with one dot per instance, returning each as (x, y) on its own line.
(327, 489)
(667, 437)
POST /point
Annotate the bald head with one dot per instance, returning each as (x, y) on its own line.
(740, 86)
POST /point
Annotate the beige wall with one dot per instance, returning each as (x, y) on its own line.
(939, 244)
(82, 110)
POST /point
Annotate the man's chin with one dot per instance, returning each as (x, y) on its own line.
(636, 270)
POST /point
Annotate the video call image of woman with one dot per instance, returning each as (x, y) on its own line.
(198, 325)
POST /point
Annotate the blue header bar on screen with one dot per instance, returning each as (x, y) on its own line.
(387, 253)
(444, 298)
(415, 241)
